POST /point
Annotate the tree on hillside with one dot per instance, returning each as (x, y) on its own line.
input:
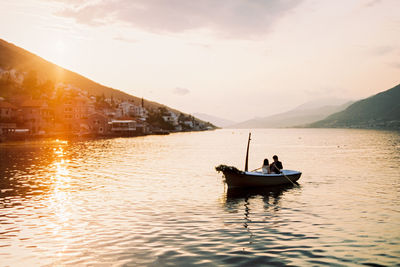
(8, 85)
(30, 84)
(101, 102)
(156, 119)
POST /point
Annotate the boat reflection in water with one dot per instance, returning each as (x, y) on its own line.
(274, 192)
(270, 195)
(247, 200)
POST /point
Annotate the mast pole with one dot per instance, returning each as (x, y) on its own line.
(246, 165)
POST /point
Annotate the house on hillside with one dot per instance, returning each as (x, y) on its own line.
(127, 108)
(7, 111)
(98, 124)
(171, 117)
(140, 112)
(37, 116)
(142, 127)
(123, 127)
(188, 123)
(72, 111)
(7, 128)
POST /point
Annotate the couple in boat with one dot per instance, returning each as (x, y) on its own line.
(274, 167)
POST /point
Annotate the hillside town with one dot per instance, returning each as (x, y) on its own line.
(36, 110)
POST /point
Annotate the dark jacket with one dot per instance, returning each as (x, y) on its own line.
(276, 167)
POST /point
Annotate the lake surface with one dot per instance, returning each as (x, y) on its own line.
(158, 201)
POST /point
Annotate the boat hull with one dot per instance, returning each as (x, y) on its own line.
(258, 179)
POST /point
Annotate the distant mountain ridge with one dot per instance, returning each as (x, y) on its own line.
(301, 115)
(378, 111)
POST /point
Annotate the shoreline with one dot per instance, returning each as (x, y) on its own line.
(75, 137)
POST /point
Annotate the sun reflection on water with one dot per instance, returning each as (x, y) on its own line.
(60, 193)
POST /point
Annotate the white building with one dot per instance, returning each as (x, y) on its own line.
(171, 118)
(122, 126)
(189, 123)
(140, 112)
(127, 108)
(111, 113)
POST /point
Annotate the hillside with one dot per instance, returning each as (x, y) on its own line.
(303, 114)
(16, 58)
(379, 111)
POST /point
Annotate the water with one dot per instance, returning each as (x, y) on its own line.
(157, 200)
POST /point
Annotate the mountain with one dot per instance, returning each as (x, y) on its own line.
(21, 61)
(322, 102)
(217, 121)
(306, 113)
(378, 111)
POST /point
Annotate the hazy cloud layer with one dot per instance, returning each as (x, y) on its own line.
(181, 91)
(228, 18)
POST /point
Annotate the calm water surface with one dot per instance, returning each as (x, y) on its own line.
(157, 201)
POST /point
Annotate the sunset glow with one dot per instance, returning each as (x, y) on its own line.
(291, 51)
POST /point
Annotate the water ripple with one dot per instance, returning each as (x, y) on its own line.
(157, 201)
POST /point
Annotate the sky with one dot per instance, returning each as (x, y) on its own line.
(235, 59)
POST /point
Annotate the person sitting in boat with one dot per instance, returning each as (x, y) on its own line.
(265, 167)
(276, 166)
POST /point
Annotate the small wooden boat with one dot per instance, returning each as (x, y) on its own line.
(235, 178)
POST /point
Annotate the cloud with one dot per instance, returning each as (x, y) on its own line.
(382, 50)
(181, 91)
(227, 18)
(372, 3)
(93, 15)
